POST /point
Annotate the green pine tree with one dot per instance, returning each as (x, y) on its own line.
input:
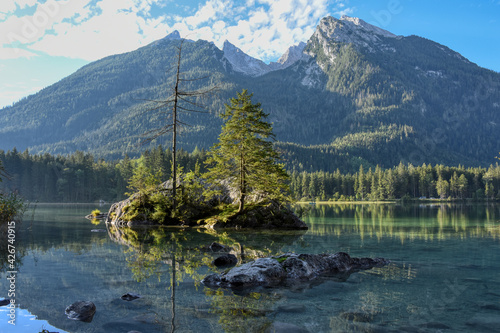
(244, 155)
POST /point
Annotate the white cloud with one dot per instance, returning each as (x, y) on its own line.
(117, 29)
(270, 29)
(210, 11)
(92, 29)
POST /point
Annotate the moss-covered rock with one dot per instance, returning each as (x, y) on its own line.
(264, 215)
(195, 210)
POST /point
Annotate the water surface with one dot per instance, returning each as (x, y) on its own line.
(444, 274)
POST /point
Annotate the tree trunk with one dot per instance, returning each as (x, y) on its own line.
(242, 203)
(174, 134)
(242, 184)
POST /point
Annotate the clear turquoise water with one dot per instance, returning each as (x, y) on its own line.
(444, 275)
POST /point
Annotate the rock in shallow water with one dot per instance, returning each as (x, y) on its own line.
(226, 260)
(130, 297)
(216, 247)
(81, 310)
(5, 302)
(289, 268)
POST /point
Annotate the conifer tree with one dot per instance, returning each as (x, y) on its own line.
(360, 189)
(244, 155)
(442, 187)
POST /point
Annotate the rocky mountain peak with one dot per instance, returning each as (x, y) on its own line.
(292, 55)
(360, 24)
(352, 30)
(242, 62)
(173, 35)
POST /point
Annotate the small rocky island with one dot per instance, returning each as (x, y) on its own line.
(289, 269)
(196, 210)
(245, 184)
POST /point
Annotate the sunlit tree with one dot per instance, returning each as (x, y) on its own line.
(244, 155)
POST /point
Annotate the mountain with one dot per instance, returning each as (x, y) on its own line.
(291, 56)
(247, 65)
(354, 93)
(242, 62)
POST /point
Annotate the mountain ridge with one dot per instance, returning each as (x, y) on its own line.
(353, 93)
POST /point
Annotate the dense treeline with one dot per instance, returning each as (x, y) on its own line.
(82, 178)
(403, 181)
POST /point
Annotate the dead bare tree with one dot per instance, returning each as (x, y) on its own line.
(178, 102)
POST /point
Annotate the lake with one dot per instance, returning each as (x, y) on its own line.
(444, 274)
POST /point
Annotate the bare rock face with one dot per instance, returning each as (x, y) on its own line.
(290, 268)
(350, 30)
(116, 212)
(242, 62)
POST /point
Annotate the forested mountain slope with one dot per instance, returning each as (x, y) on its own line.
(358, 95)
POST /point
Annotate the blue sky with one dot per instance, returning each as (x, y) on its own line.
(42, 41)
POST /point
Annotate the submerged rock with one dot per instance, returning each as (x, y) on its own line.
(5, 302)
(216, 247)
(226, 260)
(130, 297)
(81, 310)
(289, 268)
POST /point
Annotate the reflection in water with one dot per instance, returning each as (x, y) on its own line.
(238, 313)
(186, 251)
(429, 222)
(444, 273)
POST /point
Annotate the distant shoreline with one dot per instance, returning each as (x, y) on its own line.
(342, 202)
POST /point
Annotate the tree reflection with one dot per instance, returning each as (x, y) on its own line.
(186, 251)
(151, 248)
(11, 254)
(407, 222)
(242, 313)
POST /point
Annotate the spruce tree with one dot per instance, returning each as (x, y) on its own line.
(244, 155)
